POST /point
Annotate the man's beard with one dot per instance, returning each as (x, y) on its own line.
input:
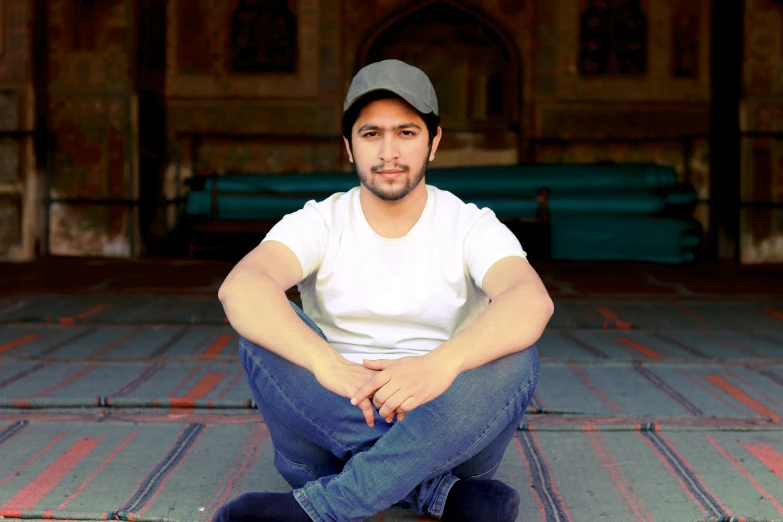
(395, 191)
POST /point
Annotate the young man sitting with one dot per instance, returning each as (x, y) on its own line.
(404, 377)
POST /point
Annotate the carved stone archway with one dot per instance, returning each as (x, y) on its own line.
(472, 62)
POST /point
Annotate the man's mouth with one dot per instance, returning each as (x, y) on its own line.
(391, 173)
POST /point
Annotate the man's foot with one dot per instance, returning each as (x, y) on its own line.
(485, 500)
(257, 507)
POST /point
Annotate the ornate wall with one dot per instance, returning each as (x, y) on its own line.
(462, 45)
(18, 183)
(623, 70)
(91, 118)
(170, 88)
(762, 112)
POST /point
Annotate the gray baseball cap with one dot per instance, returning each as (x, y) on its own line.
(406, 81)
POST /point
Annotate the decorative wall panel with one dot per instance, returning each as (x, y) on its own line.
(226, 48)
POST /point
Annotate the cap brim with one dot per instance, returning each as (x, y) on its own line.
(419, 106)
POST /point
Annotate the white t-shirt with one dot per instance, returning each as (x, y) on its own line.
(379, 298)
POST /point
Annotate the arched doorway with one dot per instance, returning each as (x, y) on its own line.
(472, 63)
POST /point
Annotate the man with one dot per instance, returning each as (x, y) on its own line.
(399, 383)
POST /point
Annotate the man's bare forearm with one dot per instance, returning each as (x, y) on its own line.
(512, 322)
(258, 309)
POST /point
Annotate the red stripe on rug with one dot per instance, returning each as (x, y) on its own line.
(69, 380)
(171, 473)
(618, 480)
(248, 464)
(775, 313)
(545, 462)
(218, 499)
(179, 386)
(105, 349)
(609, 315)
(741, 348)
(711, 392)
(647, 352)
(48, 479)
(233, 382)
(97, 470)
(692, 315)
(217, 347)
(688, 466)
(254, 460)
(740, 396)
(674, 474)
(84, 315)
(752, 387)
(32, 459)
(157, 464)
(203, 386)
(619, 491)
(169, 311)
(741, 469)
(239, 468)
(768, 456)
(200, 344)
(588, 383)
(17, 342)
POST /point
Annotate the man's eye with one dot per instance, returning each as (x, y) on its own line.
(370, 134)
(408, 133)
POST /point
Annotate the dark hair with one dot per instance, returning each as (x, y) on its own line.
(431, 120)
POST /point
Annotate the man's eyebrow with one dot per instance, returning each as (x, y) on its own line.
(401, 126)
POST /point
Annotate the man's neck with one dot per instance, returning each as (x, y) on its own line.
(393, 219)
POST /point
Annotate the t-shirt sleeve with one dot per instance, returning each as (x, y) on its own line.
(306, 233)
(487, 242)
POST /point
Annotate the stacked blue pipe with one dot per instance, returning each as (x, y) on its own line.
(634, 212)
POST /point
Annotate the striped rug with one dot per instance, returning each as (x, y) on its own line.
(137, 409)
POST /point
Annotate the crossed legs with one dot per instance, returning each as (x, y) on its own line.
(343, 470)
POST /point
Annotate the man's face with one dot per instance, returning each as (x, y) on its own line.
(391, 148)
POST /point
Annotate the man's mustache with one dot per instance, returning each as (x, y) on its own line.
(396, 166)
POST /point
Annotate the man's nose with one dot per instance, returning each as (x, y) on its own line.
(389, 149)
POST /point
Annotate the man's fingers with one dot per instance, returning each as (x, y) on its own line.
(377, 364)
(391, 405)
(382, 395)
(409, 404)
(369, 388)
(368, 411)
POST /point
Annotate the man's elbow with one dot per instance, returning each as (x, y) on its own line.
(226, 289)
(548, 306)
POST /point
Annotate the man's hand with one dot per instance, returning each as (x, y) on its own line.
(406, 383)
(343, 377)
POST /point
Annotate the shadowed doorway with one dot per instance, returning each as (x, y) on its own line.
(475, 69)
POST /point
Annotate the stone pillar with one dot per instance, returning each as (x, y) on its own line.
(92, 118)
(18, 170)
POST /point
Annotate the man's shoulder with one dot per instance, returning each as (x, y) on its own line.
(331, 205)
(452, 207)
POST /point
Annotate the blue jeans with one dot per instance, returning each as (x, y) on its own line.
(343, 470)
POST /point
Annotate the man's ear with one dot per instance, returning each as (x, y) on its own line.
(435, 143)
(348, 148)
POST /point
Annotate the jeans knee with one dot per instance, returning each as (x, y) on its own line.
(527, 365)
(246, 348)
(296, 474)
(250, 355)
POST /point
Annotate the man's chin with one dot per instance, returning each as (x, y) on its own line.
(387, 195)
